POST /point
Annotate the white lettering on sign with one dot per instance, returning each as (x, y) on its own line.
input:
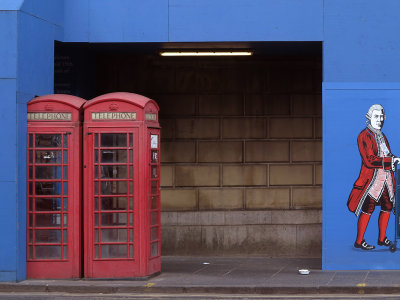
(151, 117)
(49, 116)
(113, 116)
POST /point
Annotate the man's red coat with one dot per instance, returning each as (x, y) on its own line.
(372, 160)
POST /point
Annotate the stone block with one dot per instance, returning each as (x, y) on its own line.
(185, 79)
(254, 105)
(167, 176)
(303, 80)
(178, 199)
(226, 104)
(277, 104)
(296, 216)
(265, 151)
(231, 105)
(210, 104)
(271, 240)
(318, 104)
(169, 218)
(197, 128)
(309, 240)
(178, 151)
(247, 217)
(291, 175)
(244, 175)
(197, 175)
(305, 104)
(167, 128)
(209, 79)
(242, 128)
(280, 80)
(177, 104)
(307, 197)
(318, 128)
(159, 79)
(220, 199)
(212, 240)
(187, 218)
(207, 218)
(306, 151)
(181, 240)
(220, 152)
(274, 198)
(256, 78)
(232, 79)
(318, 174)
(291, 128)
(318, 77)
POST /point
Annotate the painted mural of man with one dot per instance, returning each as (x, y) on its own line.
(375, 184)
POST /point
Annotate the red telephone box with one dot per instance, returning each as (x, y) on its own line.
(121, 186)
(53, 187)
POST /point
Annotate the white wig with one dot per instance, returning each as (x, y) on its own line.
(372, 108)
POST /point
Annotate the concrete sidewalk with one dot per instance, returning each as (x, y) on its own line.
(233, 275)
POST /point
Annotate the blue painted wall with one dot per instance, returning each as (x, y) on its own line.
(193, 20)
(360, 44)
(344, 108)
(361, 67)
(361, 41)
(27, 33)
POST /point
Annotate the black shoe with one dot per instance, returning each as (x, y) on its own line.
(385, 242)
(364, 245)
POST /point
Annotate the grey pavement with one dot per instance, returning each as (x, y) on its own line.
(223, 276)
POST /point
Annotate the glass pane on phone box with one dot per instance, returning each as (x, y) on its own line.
(113, 156)
(154, 233)
(154, 185)
(154, 249)
(154, 173)
(47, 252)
(48, 220)
(48, 172)
(48, 140)
(113, 187)
(115, 172)
(113, 203)
(48, 188)
(113, 140)
(113, 251)
(47, 236)
(113, 219)
(114, 235)
(48, 204)
(154, 202)
(154, 218)
(154, 156)
(48, 156)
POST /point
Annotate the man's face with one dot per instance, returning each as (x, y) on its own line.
(377, 119)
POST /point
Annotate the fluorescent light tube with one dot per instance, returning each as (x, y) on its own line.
(206, 53)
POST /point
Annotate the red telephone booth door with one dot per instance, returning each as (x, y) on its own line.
(52, 216)
(53, 187)
(111, 206)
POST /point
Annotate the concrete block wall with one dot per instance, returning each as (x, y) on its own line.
(241, 150)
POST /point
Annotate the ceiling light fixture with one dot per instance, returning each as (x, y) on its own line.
(206, 53)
